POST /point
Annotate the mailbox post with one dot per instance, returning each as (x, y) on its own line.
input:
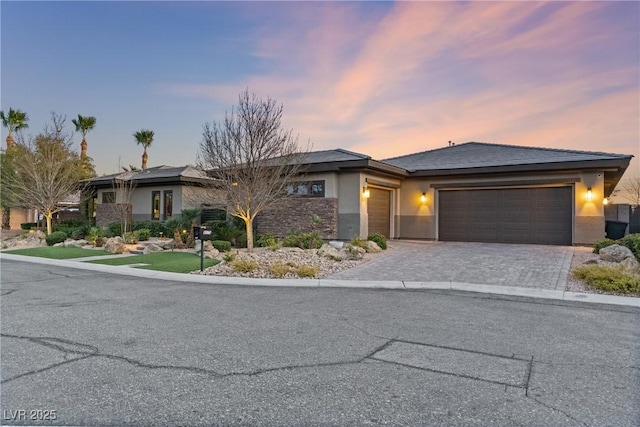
(202, 233)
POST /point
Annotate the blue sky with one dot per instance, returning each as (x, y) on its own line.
(380, 78)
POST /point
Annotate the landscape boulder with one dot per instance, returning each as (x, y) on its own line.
(330, 252)
(165, 243)
(616, 253)
(355, 252)
(148, 249)
(372, 247)
(114, 245)
(631, 265)
(211, 254)
(336, 244)
(207, 245)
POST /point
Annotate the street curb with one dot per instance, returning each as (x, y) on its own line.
(332, 283)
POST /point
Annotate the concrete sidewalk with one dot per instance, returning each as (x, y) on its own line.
(547, 294)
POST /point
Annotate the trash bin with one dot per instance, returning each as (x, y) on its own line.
(615, 229)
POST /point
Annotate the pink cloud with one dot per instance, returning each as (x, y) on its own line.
(426, 73)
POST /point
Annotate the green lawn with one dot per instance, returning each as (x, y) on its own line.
(58, 253)
(175, 262)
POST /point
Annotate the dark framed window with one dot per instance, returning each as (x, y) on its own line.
(306, 189)
(108, 197)
(168, 204)
(155, 205)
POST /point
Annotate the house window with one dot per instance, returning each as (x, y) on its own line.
(109, 197)
(155, 205)
(306, 189)
(168, 204)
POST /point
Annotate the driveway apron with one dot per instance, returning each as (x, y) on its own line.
(529, 266)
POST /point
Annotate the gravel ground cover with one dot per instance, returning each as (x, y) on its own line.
(294, 258)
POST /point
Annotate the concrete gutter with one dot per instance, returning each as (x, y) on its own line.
(331, 283)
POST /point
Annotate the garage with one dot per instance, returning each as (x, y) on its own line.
(379, 210)
(507, 215)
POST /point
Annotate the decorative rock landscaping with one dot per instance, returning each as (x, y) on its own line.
(289, 263)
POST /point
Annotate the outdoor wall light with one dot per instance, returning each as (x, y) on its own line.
(605, 201)
(423, 198)
(365, 192)
(589, 194)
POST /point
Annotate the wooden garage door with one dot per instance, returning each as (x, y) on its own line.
(379, 210)
(515, 215)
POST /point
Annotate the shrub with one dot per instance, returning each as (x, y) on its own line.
(613, 279)
(601, 244)
(241, 240)
(266, 240)
(379, 239)
(279, 269)
(113, 229)
(291, 240)
(307, 271)
(244, 266)
(170, 226)
(631, 241)
(142, 234)
(56, 237)
(93, 234)
(311, 240)
(130, 238)
(358, 242)
(28, 225)
(229, 257)
(156, 228)
(225, 231)
(80, 232)
(222, 245)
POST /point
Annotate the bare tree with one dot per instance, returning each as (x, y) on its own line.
(46, 171)
(253, 156)
(123, 187)
(630, 190)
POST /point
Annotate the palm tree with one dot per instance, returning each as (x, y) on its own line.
(144, 137)
(84, 125)
(15, 120)
(189, 218)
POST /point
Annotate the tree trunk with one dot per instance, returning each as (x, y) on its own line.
(48, 217)
(145, 157)
(249, 226)
(177, 238)
(6, 219)
(10, 140)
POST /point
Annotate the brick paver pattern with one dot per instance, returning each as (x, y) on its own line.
(529, 266)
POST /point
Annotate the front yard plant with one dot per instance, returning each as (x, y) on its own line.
(379, 239)
(307, 271)
(609, 278)
(56, 237)
(244, 266)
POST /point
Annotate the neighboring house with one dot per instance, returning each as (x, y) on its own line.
(467, 192)
(157, 193)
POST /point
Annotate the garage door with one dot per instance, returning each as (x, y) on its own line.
(514, 215)
(379, 210)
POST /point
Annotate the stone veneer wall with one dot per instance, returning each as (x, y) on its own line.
(295, 214)
(106, 213)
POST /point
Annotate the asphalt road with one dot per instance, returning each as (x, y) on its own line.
(101, 349)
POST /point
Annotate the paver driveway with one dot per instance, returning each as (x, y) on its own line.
(530, 266)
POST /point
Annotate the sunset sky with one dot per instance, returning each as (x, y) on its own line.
(380, 78)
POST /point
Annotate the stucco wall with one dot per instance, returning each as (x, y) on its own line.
(420, 220)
